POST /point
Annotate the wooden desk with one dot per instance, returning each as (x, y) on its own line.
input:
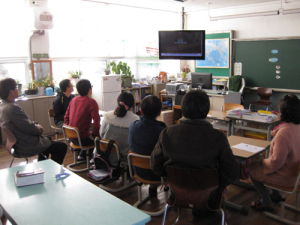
(72, 200)
(212, 114)
(269, 125)
(234, 140)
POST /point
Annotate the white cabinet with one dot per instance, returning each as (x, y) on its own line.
(27, 106)
(40, 112)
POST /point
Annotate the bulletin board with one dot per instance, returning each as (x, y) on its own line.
(269, 63)
(224, 71)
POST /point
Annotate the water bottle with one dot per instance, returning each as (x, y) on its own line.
(49, 91)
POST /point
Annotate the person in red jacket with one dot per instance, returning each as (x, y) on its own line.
(80, 113)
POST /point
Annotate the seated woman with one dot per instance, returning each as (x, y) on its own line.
(116, 123)
(281, 166)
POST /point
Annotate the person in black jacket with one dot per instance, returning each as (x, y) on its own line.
(61, 102)
(194, 143)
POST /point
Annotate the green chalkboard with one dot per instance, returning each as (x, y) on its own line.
(259, 70)
(225, 72)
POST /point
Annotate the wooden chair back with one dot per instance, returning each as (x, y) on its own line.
(230, 106)
(103, 143)
(264, 94)
(141, 161)
(192, 187)
(71, 132)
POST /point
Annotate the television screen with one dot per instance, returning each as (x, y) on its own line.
(202, 79)
(182, 44)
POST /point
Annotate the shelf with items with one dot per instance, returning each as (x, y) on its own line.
(139, 94)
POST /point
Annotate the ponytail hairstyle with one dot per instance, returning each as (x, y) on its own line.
(125, 102)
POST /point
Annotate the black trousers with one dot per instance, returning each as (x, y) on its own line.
(85, 142)
(57, 150)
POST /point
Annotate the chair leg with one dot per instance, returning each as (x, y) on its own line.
(141, 201)
(69, 167)
(223, 216)
(280, 217)
(165, 213)
(12, 161)
(123, 187)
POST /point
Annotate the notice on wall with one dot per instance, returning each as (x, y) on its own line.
(238, 68)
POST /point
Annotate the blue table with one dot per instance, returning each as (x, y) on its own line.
(71, 200)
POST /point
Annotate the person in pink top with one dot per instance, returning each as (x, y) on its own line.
(281, 166)
(80, 113)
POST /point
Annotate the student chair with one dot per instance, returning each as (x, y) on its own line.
(191, 188)
(264, 94)
(101, 144)
(143, 161)
(242, 83)
(73, 133)
(230, 106)
(283, 205)
(10, 141)
(53, 126)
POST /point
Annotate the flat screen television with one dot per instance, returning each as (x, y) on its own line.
(182, 44)
(203, 79)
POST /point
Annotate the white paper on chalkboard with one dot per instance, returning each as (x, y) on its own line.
(238, 68)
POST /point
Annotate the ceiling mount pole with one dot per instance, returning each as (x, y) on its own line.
(182, 18)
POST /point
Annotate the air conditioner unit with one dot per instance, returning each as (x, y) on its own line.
(43, 18)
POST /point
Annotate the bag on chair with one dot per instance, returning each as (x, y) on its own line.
(103, 172)
(244, 168)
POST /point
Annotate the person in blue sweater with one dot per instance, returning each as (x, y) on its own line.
(144, 133)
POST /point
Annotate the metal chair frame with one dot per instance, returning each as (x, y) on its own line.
(10, 141)
(73, 132)
(283, 205)
(56, 129)
(143, 161)
(115, 149)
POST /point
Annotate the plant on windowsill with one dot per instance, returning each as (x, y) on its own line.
(107, 70)
(31, 90)
(76, 74)
(19, 84)
(124, 70)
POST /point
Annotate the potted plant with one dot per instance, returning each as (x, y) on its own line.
(124, 70)
(185, 70)
(19, 87)
(75, 75)
(107, 70)
(31, 90)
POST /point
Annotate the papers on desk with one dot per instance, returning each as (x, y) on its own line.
(237, 113)
(259, 117)
(248, 148)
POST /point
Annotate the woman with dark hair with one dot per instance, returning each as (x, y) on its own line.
(116, 123)
(281, 166)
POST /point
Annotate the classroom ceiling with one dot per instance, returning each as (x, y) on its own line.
(190, 5)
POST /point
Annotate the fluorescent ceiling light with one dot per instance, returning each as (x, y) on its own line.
(269, 13)
(290, 11)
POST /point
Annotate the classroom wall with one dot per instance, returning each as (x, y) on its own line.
(252, 27)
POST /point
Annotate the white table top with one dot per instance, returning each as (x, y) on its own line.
(72, 200)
